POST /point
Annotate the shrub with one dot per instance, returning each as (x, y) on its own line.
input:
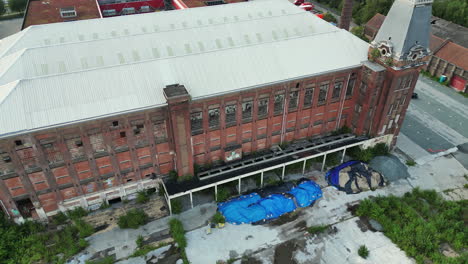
(84, 229)
(410, 162)
(17, 5)
(177, 232)
(142, 197)
(133, 219)
(139, 241)
(463, 94)
(60, 218)
(363, 251)
(218, 218)
(389, 62)
(161, 190)
(173, 175)
(375, 53)
(77, 213)
(106, 260)
(176, 206)
(380, 149)
(317, 229)
(223, 194)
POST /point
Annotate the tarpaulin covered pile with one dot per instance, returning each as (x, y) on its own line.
(354, 177)
(252, 208)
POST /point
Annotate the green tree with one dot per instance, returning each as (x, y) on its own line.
(2, 8)
(17, 5)
(359, 32)
(329, 17)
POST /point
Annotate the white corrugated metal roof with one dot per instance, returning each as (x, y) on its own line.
(70, 57)
(103, 90)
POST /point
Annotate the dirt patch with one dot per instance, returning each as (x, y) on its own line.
(364, 224)
(250, 260)
(301, 225)
(284, 252)
(286, 218)
(170, 257)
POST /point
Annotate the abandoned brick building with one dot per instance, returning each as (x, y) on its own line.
(94, 110)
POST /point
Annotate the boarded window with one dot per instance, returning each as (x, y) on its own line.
(262, 108)
(323, 93)
(337, 89)
(196, 122)
(247, 110)
(349, 90)
(230, 115)
(293, 100)
(279, 103)
(213, 117)
(308, 97)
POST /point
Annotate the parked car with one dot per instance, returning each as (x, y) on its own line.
(298, 2)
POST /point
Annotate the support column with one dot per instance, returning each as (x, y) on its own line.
(282, 174)
(178, 100)
(216, 192)
(261, 180)
(239, 186)
(168, 199)
(323, 163)
(303, 167)
(342, 157)
(191, 200)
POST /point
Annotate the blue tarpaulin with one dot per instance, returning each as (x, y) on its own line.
(252, 208)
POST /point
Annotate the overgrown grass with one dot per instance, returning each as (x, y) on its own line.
(143, 250)
(32, 243)
(106, 260)
(363, 251)
(317, 229)
(420, 222)
(133, 219)
(142, 197)
(368, 154)
(178, 234)
(176, 206)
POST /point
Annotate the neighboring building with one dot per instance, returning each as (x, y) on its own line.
(40, 12)
(111, 8)
(447, 58)
(94, 110)
(373, 25)
(182, 4)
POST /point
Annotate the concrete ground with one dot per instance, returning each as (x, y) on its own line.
(435, 124)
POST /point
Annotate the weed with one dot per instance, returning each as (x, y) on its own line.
(178, 234)
(125, 201)
(143, 250)
(317, 229)
(223, 194)
(104, 205)
(142, 197)
(363, 251)
(139, 241)
(133, 219)
(463, 94)
(410, 162)
(218, 218)
(77, 213)
(161, 190)
(106, 260)
(84, 229)
(60, 218)
(176, 206)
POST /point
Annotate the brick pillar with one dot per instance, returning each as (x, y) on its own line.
(178, 100)
(346, 14)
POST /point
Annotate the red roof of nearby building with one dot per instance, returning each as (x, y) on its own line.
(200, 3)
(376, 21)
(455, 54)
(435, 42)
(48, 11)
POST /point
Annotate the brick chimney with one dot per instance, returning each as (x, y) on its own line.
(346, 14)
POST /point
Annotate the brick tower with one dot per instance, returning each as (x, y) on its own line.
(346, 14)
(402, 47)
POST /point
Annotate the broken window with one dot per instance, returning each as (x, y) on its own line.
(323, 93)
(279, 103)
(230, 115)
(196, 122)
(293, 99)
(308, 97)
(337, 89)
(349, 90)
(247, 110)
(262, 108)
(213, 118)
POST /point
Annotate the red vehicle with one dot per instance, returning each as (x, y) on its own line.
(298, 2)
(307, 6)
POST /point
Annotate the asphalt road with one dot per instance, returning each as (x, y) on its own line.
(438, 120)
(9, 27)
